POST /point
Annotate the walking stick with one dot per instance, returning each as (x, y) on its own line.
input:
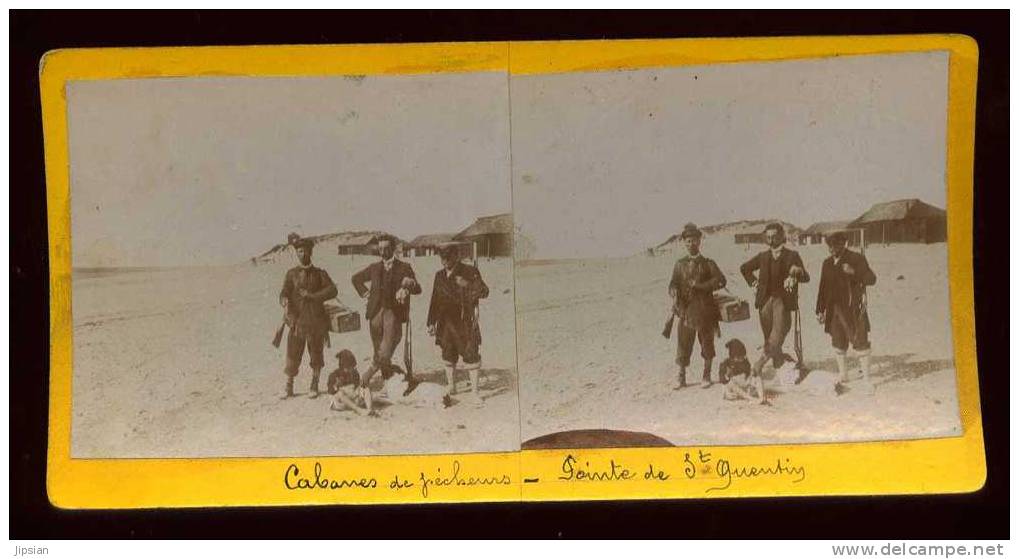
(408, 355)
(408, 346)
(476, 327)
(798, 335)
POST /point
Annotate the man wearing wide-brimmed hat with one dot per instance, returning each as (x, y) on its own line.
(842, 303)
(305, 289)
(694, 278)
(452, 317)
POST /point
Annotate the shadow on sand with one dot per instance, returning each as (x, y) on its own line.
(492, 381)
(889, 368)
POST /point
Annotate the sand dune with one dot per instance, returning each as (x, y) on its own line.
(178, 362)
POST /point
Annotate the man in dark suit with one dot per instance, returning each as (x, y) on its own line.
(842, 303)
(392, 284)
(694, 279)
(305, 289)
(452, 320)
(779, 271)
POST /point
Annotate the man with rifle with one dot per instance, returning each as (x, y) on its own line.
(388, 308)
(452, 318)
(305, 289)
(775, 275)
(694, 279)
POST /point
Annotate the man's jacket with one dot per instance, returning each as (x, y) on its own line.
(452, 303)
(840, 292)
(694, 280)
(771, 275)
(306, 315)
(384, 286)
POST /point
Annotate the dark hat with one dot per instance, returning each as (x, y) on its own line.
(736, 348)
(303, 243)
(690, 230)
(447, 249)
(836, 238)
(775, 226)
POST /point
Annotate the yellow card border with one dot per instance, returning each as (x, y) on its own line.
(921, 466)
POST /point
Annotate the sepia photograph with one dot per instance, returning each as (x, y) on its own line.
(305, 266)
(734, 254)
(547, 274)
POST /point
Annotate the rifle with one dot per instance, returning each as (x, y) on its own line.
(408, 356)
(798, 339)
(667, 331)
(279, 331)
(408, 346)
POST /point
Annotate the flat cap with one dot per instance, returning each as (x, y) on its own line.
(836, 238)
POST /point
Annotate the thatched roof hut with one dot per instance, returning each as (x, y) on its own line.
(426, 245)
(903, 221)
(816, 233)
(492, 235)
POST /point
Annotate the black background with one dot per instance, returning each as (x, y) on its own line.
(983, 514)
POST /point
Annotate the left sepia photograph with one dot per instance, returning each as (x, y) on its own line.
(299, 266)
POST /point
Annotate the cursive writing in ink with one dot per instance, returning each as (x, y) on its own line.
(292, 479)
(726, 472)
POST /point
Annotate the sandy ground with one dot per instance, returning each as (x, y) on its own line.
(179, 363)
(591, 354)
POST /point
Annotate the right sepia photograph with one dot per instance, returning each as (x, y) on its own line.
(733, 254)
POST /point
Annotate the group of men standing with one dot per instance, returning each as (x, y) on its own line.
(387, 284)
(774, 274)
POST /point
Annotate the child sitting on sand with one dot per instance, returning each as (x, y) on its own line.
(735, 372)
(343, 385)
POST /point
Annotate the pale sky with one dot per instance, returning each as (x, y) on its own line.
(609, 163)
(195, 171)
(188, 171)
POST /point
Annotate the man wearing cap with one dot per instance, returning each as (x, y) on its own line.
(779, 271)
(694, 279)
(842, 303)
(452, 320)
(305, 289)
(392, 284)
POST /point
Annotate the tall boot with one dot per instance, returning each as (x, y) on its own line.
(289, 391)
(450, 372)
(865, 366)
(447, 399)
(473, 373)
(840, 360)
(313, 390)
(681, 378)
(450, 380)
(475, 396)
(706, 377)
